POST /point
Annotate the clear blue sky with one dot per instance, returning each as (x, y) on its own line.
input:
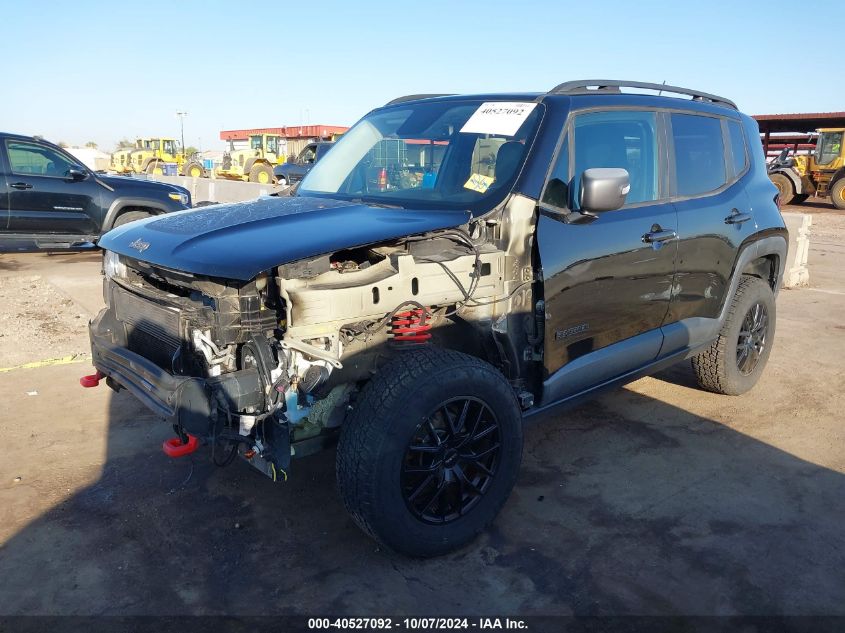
(83, 70)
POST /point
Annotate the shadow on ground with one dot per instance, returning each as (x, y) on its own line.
(624, 505)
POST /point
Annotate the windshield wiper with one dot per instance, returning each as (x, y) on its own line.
(376, 204)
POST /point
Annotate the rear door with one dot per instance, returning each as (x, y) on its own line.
(43, 198)
(710, 161)
(4, 193)
(607, 288)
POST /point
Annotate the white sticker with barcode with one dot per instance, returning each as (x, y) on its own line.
(503, 118)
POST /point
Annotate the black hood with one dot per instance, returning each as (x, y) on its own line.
(121, 183)
(238, 241)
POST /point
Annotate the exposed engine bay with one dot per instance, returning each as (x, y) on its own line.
(281, 357)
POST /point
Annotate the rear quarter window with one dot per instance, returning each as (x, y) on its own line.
(739, 149)
(699, 154)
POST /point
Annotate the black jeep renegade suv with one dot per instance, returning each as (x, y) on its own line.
(454, 265)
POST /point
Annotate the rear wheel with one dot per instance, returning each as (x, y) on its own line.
(734, 362)
(430, 452)
(837, 193)
(261, 173)
(154, 168)
(194, 170)
(130, 216)
(786, 191)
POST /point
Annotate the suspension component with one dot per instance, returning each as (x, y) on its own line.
(411, 326)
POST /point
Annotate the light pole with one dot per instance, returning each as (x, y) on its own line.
(182, 116)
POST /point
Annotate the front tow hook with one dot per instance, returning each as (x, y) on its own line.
(92, 380)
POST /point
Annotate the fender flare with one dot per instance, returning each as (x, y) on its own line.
(837, 175)
(121, 203)
(776, 244)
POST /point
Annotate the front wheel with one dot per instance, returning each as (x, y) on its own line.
(261, 173)
(837, 193)
(154, 168)
(734, 362)
(430, 452)
(130, 216)
(786, 191)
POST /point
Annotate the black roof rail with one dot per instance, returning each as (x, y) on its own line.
(416, 97)
(590, 86)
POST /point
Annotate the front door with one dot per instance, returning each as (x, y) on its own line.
(608, 278)
(43, 198)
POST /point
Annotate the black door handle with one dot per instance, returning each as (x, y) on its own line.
(737, 218)
(20, 185)
(659, 236)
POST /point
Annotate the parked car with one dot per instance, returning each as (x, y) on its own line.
(455, 265)
(49, 200)
(293, 171)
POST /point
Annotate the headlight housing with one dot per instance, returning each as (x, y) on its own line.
(184, 198)
(112, 266)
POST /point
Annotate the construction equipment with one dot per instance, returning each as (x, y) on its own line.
(151, 158)
(255, 163)
(820, 174)
(121, 161)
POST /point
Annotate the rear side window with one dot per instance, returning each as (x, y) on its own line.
(699, 154)
(739, 153)
(619, 139)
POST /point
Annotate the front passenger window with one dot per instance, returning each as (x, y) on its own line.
(619, 139)
(32, 159)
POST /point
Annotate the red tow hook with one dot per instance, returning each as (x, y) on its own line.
(93, 380)
(175, 448)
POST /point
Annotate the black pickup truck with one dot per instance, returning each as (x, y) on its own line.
(295, 170)
(49, 200)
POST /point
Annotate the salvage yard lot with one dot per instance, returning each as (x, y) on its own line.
(657, 498)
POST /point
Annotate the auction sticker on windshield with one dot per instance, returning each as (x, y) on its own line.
(498, 117)
(478, 183)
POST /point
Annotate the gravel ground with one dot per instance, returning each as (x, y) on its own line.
(657, 498)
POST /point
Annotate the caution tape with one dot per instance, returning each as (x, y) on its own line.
(64, 360)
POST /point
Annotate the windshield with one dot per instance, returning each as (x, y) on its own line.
(445, 155)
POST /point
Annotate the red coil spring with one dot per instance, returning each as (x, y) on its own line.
(411, 327)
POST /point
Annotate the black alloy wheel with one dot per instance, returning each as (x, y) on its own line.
(451, 460)
(752, 338)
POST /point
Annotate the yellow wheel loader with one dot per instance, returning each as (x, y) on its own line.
(255, 163)
(151, 159)
(121, 160)
(820, 174)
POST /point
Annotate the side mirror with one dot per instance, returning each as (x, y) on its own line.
(604, 189)
(75, 174)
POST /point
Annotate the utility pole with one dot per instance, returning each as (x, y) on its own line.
(182, 116)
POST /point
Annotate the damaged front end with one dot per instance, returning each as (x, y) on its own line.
(267, 369)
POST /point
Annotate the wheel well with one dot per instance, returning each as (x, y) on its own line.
(147, 210)
(765, 268)
(837, 175)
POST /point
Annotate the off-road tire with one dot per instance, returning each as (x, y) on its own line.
(716, 367)
(376, 435)
(786, 190)
(130, 216)
(193, 166)
(257, 170)
(837, 193)
(800, 198)
(152, 166)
